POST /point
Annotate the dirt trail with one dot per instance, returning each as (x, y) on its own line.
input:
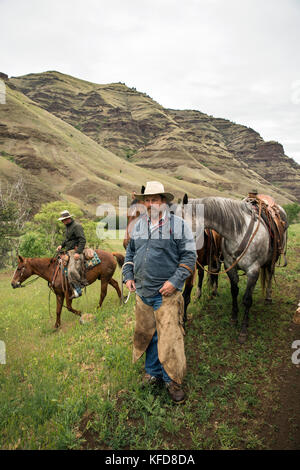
(287, 418)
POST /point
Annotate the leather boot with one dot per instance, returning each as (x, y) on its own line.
(150, 380)
(175, 391)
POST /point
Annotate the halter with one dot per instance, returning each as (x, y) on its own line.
(244, 248)
(28, 282)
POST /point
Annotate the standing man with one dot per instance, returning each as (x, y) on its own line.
(160, 256)
(74, 243)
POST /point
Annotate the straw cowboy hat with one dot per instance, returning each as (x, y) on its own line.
(65, 215)
(153, 188)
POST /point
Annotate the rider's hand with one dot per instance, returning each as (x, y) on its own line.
(58, 248)
(130, 284)
(76, 256)
(167, 288)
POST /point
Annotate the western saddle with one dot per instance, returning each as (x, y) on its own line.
(270, 213)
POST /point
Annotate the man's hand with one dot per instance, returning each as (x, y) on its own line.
(76, 256)
(58, 248)
(167, 289)
(130, 284)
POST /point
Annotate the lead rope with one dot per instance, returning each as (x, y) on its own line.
(122, 284)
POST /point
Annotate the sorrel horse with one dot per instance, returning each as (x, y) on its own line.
(46, 267)
(232, 219)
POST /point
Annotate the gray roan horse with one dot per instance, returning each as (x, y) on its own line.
(231, 219)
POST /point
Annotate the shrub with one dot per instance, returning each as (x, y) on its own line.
(293, 212)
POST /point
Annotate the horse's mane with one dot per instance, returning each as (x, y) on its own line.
(224, 211)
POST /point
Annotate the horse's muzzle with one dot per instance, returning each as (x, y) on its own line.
(15, 285)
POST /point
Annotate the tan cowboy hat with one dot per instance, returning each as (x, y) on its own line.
(153, 188)
(65, 215)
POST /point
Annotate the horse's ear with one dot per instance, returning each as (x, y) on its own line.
(185, 199)
(143, 189)
(21, 259)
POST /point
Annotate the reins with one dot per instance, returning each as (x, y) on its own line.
(30, 282)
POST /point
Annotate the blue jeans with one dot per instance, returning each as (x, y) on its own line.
(152, 364)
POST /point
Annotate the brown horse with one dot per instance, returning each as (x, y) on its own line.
(208, 255)
(46, 268)
(133, 214)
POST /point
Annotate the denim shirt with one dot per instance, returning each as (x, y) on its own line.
(156, 254)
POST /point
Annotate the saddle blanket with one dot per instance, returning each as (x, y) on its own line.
(90, 263)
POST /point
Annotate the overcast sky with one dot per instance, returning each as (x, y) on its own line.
(236, 59)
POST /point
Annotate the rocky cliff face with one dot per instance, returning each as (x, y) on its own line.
(209, 155)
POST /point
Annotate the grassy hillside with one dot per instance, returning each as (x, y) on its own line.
(57, 161)
(212, 156)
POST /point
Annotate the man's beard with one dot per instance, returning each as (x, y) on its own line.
(154, 212)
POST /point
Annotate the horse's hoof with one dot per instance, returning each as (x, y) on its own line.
(242, 338)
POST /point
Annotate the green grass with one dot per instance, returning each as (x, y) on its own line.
(76, 388)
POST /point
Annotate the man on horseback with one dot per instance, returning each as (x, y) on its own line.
(159, 257)
(74, 244)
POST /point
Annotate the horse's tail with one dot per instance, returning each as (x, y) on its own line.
(119, 257)
(265, 275)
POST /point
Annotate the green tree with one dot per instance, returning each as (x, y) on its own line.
(48, 229)
(45, 232)
(33, 245)
(14, 211)
(89, 227)
(293, 212)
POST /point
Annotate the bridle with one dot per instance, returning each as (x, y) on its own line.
(21, 273)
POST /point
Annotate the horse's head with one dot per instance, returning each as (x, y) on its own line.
(23, 272)
(135, 210)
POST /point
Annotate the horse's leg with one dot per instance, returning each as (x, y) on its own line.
(200, 281)
(187, 295)
(214, 278)
(234, 280)
(104, 285)
(215, 281)
(270, 274)
(69, 305)
(115, 284)
(247, 302)
(59, 305)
